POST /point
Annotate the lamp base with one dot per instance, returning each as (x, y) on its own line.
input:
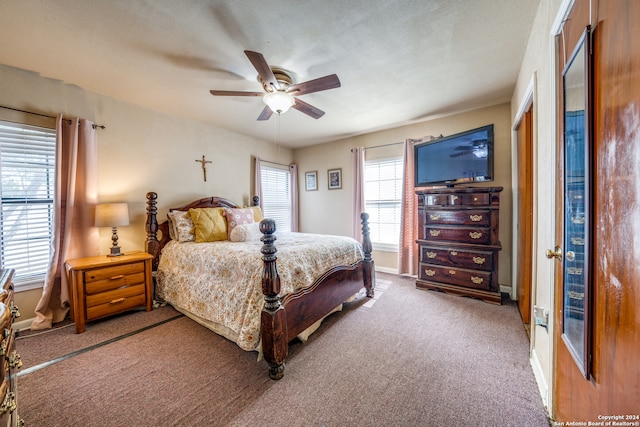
(115, 251)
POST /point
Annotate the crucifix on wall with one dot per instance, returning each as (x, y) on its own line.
(204, 162)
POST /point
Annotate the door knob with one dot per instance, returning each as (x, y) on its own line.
(555, 253)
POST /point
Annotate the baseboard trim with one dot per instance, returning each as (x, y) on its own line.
(387, 270)
(22, 324)
(540, 380)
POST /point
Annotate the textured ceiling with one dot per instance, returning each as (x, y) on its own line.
(398, 61)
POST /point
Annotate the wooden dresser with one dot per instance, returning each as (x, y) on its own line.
(102, 286)
(458, 241)
(10, 361)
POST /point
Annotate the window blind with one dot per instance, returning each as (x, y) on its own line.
(276, 196)
(27, 182)
(383, 200)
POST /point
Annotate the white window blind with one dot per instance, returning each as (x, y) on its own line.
(27, 181)
(383, 201)
(276, 196)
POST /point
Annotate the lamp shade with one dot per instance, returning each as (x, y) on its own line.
(279, 102)
(112, 214)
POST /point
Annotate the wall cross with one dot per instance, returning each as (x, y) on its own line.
(204, 162)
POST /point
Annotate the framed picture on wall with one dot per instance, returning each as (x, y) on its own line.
(311, 180)
(335, 178)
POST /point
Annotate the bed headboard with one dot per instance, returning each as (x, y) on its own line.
(153, 245)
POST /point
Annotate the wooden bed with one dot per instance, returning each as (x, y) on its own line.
(283, 316)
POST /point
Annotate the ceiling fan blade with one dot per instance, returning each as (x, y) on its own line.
(263, 68)
(308, 109)
(265, 114)
(316, 85)
(234, 93)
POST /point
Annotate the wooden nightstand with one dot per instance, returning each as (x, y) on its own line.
(101, 286)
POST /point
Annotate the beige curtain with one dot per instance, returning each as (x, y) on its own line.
(74, 235)
(357, 158)
(408, 250)
(293, 177)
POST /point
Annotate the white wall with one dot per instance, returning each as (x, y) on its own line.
(329, 211)
(141, 150)
(537, 65)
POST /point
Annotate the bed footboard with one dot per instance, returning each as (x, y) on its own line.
(282, 320)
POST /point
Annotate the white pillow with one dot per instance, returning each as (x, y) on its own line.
(245, 232)
(182, 226)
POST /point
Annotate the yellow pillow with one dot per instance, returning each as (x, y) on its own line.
(257, 213)
(210, 224)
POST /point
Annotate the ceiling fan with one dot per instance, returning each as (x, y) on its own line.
(281, 89)
(478, 147)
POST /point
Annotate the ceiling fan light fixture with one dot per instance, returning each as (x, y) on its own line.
(278, 101)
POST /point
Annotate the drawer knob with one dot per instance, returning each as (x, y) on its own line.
(434, 233)
(429, 273)
(116, 301)
(431, 255)
(477, 280)
(434, 217)
(475, 234)
(475, 218)
(478, 260)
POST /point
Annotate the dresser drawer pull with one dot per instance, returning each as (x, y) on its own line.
(475, 199)
(454, 253)
(475, 234)
(477, 280)
(475, 218)
(452, 272)
(454, 198)
(429, 273)
(434, 233)
(3, 346)
(8, 403)
(434, 217)
(15, 361)
(431, 255)
(15, 312)
(116, 301)
(478, 260)
(119, 276)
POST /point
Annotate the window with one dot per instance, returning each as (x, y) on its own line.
(27, 181)
(383, 201)
(276, 196)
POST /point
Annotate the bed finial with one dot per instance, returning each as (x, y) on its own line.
(369, 268)
(256, 201)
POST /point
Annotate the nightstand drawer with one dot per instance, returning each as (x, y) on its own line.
(112, 272)
(114, 282)
(112, 297)
(114, 306)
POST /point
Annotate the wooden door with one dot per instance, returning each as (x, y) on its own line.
(525, 215)
(612, 384)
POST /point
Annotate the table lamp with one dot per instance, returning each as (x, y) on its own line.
(112, 215)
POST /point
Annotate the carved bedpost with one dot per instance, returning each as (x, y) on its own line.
(152, 245)
(273, 321)
(369, 271)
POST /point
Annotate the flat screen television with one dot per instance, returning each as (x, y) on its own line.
(465, 157)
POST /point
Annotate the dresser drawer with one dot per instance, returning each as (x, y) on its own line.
(107, 303)
(458, 234)
(97, 274)
(456, 276)
(460, 217)
(460, 199)
(457, 258)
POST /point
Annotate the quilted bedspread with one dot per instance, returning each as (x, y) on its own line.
(221, 281)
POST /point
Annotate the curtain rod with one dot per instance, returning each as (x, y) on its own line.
(44, 115)
(384, 145)
(274, 163)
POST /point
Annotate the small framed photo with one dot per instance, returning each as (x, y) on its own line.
(335, 178)
(311, 180)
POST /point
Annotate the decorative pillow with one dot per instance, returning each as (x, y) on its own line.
(236, 217)
(182, 226)
(209, 223)
(245, 232)
(257, 213)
